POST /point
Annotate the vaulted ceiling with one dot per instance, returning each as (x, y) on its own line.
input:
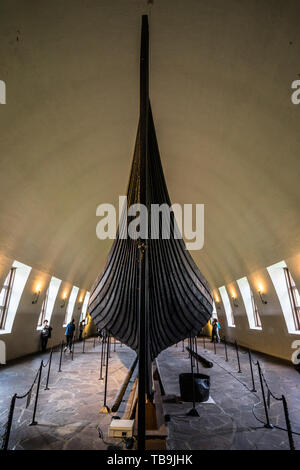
(221, 75)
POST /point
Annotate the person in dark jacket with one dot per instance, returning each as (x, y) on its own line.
(45, 335)
(69, 335)
(215, 336)
(81, 328)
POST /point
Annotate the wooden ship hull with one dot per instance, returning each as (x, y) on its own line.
(150, 294)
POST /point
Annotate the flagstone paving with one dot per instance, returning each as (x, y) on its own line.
(229, 422)
(68, 414)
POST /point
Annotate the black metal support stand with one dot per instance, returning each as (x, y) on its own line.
(196, 351)
(225, 345)
(251, 370)
(83, 345)
(183, 345)
(288, 423)
(101, 361)
(104, 351)
(238, 357)
(215, 348)
(203, 340)
(114, 344)
(143, 367)
(105, 408)
(193, 411)
(9, 422)
(60, 357)
(49, 368)
(72, 348)
(268, 424)
(34, 422)
(94, 342)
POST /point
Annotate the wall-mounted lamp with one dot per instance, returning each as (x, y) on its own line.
(64, 301)
(262, 298)
(80, 302)
(36, 296)
(234, 301)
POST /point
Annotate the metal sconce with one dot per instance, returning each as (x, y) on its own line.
(263, 300)
(36, 297)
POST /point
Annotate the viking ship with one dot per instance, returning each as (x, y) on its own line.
(150, 294)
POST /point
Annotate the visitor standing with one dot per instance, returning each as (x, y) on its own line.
(45, 335)
(69, 335)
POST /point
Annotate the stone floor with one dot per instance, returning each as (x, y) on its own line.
(227, 421)
(68, 414)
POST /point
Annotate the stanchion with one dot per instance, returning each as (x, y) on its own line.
(104, 350)
(101, 362)
(193, 411)
(251, 370)
(72, 348)
(238, 356)
(215, 348)
(191, 342)
(196, 350)
(94, 342)
(49, 367)
(225, 345)
(105, 408)
(203, 340)
(268, 424)
(9, 422)
(34, 422)
(288, 423)
(114, 344)
(61, 353)
(83, 345)
(183, 345)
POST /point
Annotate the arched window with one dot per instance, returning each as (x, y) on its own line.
(227, 306)
(12, 290)
(85, 306)
(71, 304)
(49, 301)
(5, 296)
(287, 294)
(250, 304)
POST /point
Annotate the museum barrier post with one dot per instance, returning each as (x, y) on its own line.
(60, 357)
(49, 368)
(9, 422)
(238, 356)
(288, 423)
(251, 370)
(225, 346)
(34, 422)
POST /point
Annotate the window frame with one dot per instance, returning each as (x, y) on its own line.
(256, 316)
(7, 296)
(43, 312)
(291, 286)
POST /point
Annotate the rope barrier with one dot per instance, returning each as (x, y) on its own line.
(266, 402)
(37, 380)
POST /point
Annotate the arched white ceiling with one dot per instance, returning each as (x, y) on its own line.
(221, 75)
